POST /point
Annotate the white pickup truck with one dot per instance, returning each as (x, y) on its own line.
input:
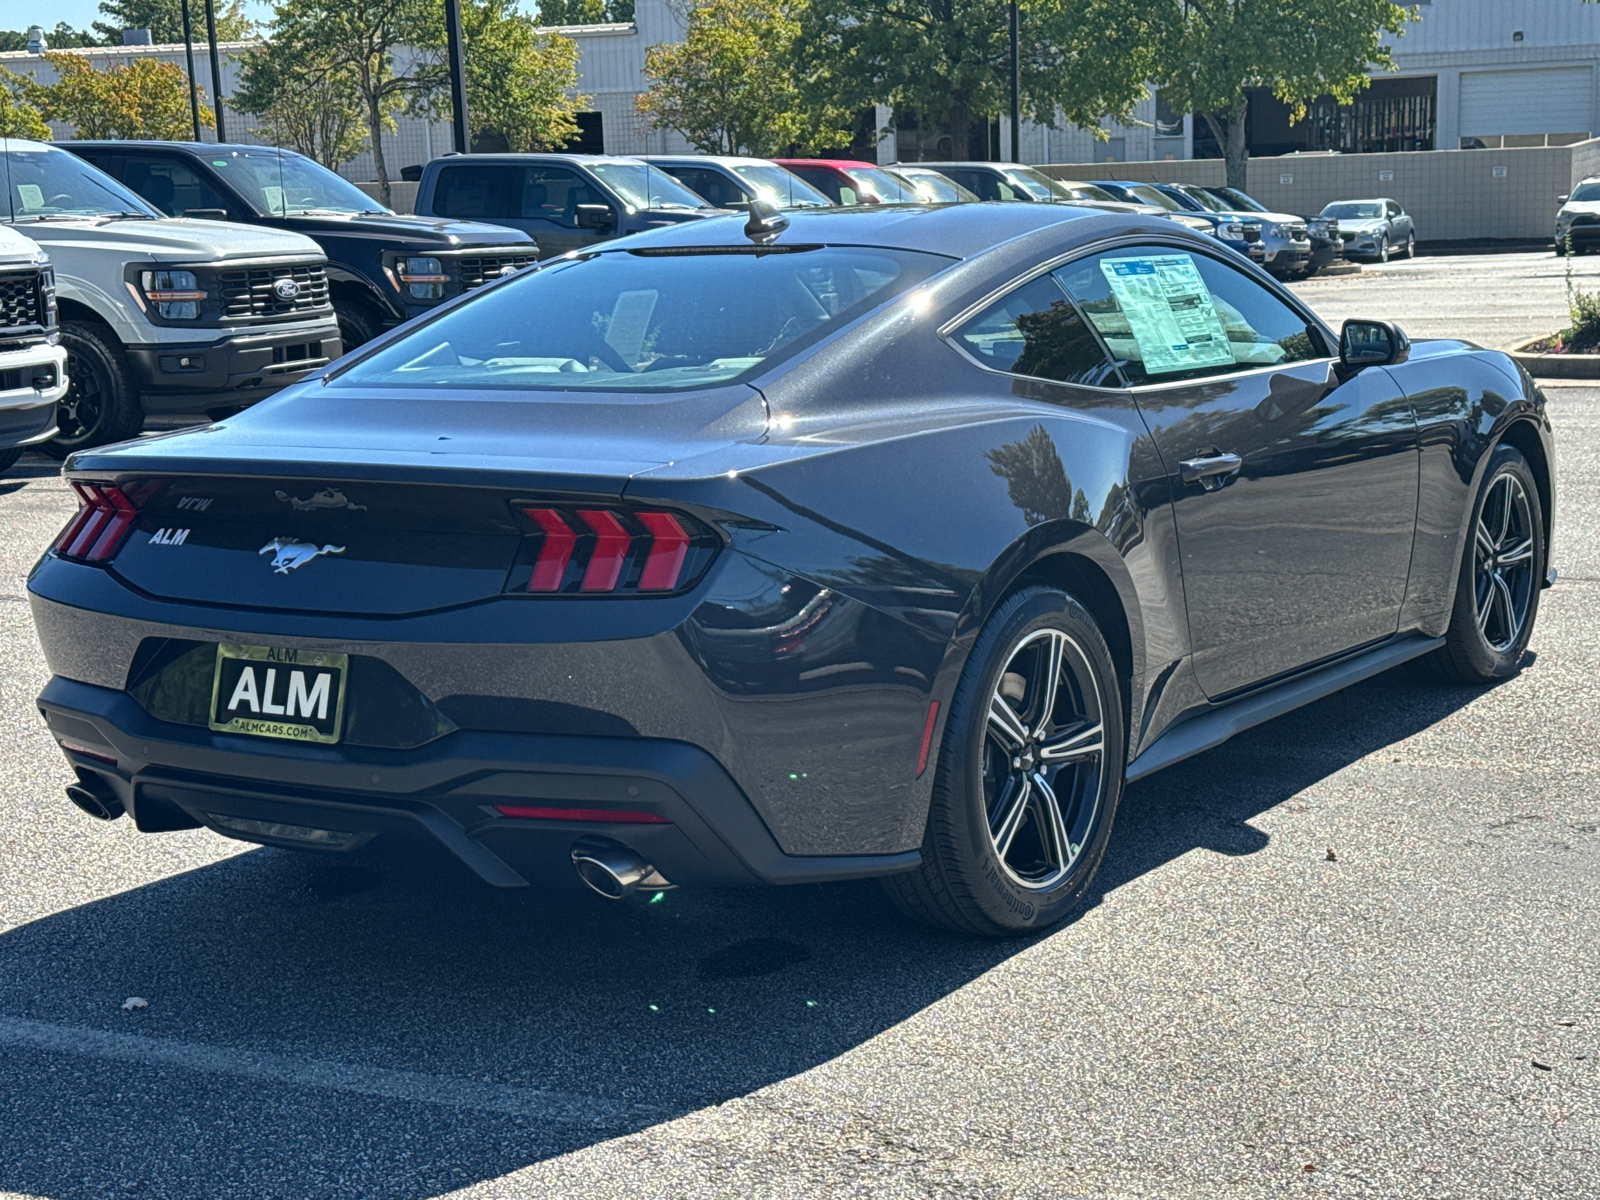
(33, 366)
(162, 315)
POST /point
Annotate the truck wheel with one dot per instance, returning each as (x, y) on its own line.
(1029, 774)
(358, 323)
(102, 401)
(8, 458)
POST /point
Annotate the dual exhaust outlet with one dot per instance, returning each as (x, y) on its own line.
(612, 870)
(607, 868)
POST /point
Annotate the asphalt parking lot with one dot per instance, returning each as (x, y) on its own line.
(1352, 953)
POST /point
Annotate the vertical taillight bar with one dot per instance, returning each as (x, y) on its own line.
(101, 525)
(610, 550)
(668, 547)
(550, 568)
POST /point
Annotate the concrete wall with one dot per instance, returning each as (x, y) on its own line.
(1455, 195)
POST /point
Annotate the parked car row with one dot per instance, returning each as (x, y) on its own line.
(192, 279)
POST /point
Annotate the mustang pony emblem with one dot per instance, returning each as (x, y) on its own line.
(326, 498)
(291, 554)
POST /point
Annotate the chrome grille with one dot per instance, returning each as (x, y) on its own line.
(486, 268)
(252, 293)
(19, 300)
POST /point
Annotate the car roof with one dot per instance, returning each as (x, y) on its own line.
(717, 160)
(532, 156)
(973, 165)
(825, 162)
(958, 230)
(196, 148)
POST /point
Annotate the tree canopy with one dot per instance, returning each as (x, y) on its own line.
(948, 61)
(520, 84)
(1207, 52)
(164, 20)
(148, 99)
(731, 87)
(18, 118)
(318, 113)
(584, 12)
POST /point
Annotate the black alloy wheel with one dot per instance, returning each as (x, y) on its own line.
(1029, 775)
(1502, 574)
(101, 404)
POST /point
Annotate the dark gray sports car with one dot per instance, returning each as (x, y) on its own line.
(882, 542)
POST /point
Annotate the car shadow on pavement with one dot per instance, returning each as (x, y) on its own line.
(381, 1027)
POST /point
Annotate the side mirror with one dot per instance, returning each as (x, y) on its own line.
(1371, 344)
(594, 216)
(1562, 199)
(207, 214)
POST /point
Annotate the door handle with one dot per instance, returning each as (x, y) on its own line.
(1211, 471)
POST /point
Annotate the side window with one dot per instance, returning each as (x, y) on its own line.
(1394, 209)
(475, 191)
(169, 184)
(554, 193)
(1166, 314)
(826, 183)
(715, 188)
(1035, 330)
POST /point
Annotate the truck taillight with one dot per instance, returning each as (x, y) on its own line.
(610, 551)
(104, 519)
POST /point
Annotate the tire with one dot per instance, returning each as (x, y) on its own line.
(990, 769)
(102, 400)
(8, 458)
(1383, 249)
(1411, 246)
(1502, 570)
(358, 323)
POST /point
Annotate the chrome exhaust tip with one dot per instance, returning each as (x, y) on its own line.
(95, 797)
(612, 870)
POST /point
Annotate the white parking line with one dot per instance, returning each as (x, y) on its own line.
(559, 1107)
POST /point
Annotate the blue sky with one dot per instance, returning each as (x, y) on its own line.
(80, 14)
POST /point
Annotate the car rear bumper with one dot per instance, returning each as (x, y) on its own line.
(446, 793)
(230, 371)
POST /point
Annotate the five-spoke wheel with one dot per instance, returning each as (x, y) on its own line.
(1030, 772)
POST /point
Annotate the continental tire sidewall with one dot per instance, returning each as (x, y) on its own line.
(1483, 659)
(1004, 901)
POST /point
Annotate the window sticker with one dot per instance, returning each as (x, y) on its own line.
(630, 322)
(32, 195)
(274, 198)
(1170, 312)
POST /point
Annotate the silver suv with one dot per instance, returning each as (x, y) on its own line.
(33, 366)
(163, 315)
(1578, 218)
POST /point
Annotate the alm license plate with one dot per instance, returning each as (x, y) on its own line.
(279, 692)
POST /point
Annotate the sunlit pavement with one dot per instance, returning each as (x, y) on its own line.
(1236, 1014)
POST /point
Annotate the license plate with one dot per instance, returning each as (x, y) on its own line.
(279, 692)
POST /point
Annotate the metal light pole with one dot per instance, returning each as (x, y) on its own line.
(188, 51)
(216, 69)
(1016, 87)
(458, 76)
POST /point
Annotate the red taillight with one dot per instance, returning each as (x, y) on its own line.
(609, 553)
(618, 815)
(668, 547)
(554, 552)
(612, 550)
(102, 523)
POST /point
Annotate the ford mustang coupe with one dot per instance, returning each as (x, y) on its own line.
(839, 544)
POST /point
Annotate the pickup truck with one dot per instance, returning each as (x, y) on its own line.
(565, 201)
(163, 316)
(33, 366)
(383, 267)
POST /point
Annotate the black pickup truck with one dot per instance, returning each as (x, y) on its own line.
(383, 267)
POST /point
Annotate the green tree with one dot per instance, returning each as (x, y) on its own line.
(521, 84)
(164, 20)
(731, 87)
(361, 39)
(1208, 52)
(59, 38)
(318, 114)
(18, 118)
(948, 61)
(584, 12)
(148, 99)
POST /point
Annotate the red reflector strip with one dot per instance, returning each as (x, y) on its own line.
(927, 738)
(554, 553)
(617, 815)
(668, 549)
(610, 550)
(97, 755)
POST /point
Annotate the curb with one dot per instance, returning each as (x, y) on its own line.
(1555, 366)
(1347, 268)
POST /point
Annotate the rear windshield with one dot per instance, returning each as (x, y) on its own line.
(645, 320)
